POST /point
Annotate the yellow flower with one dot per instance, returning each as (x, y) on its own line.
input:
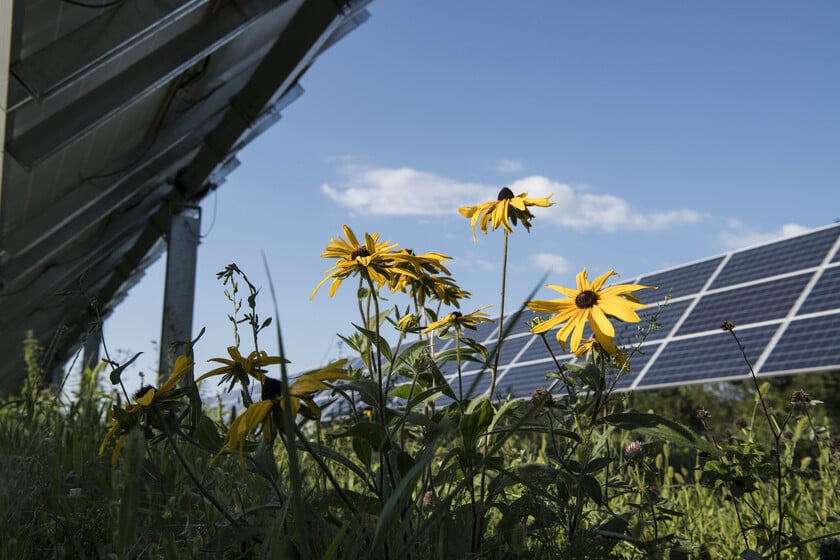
(372, 259)
(592, 303)
(302, 390)
(470, 320)
(430, 286)
(123, 419)
(408, 323)
(507, 207)
(238, 368)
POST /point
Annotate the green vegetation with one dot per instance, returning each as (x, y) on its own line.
(414, 469)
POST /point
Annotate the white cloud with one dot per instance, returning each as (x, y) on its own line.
(577, 208)
(550, 262)
(509, 166)
(407, 191)
(739, 236)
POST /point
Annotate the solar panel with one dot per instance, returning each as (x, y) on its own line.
(684, 280)
(824, 294)
(751, 304)
(783, 297)
(796, 253)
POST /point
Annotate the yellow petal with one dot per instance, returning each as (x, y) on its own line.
(147, 398)
(117, 448)
(582, 280)
(182, 366)
(115, 426)
(599, 322)
(599, 282)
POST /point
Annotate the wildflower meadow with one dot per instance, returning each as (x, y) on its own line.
(389, 454)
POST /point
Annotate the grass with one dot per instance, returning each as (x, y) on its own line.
(412, 469)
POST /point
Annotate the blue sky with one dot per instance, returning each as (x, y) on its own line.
(667, 131)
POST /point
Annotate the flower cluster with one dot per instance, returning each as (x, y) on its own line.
(381, 263)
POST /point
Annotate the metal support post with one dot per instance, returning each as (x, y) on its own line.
(179, 292)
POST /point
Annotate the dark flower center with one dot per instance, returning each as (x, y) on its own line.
(505, 194)
(456, 314)
(360, 252)
(271, 388)
(141, 392)
(586, 299)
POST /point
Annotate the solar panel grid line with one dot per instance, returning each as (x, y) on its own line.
(686, 314)
(815, 277)
(501, 374)
(763, 280)
(800, 253)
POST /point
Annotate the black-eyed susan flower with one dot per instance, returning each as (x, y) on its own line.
(429, 286)
(238, 368)
(459, 320)
(301, 397)
(501, 212)
(375, 260)
(591, 303)
(150, 401)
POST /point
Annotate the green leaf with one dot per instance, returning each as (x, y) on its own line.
(377, 342)
(363, 450)
(592, 488)
(374, 434)
(265, 460)
(368, 390)
(658, 428)
(116, 373)
(207, 434)
(476, 421)
(596, 465)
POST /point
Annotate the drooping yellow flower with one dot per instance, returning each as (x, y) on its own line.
(373, 259)
(145, 410)
(591, 303)
(507, 208)
(238, 367)
(303, 390)
(458, 320)
(430, 286)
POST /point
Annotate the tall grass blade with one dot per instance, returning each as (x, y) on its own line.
(289, 430)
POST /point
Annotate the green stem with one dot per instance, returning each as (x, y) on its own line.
(209, 497)
(494, 372)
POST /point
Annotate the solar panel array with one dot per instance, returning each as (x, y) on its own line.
(783, 297)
